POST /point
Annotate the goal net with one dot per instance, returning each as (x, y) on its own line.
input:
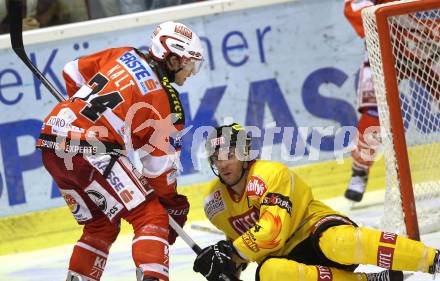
(403, 42)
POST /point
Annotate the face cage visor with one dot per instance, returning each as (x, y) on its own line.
(240, 153)
(221, 154)
(192, 65)
(228, 153)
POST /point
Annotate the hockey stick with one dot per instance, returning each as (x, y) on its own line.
(206, 229)
(16, 32)
(185, 237)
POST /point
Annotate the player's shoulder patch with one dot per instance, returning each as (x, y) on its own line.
(255, 187)
(139, 69)
(214, 204)
(279, 200)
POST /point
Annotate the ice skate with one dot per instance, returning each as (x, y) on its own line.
(386, 275)
(356, 188)
(435, 268)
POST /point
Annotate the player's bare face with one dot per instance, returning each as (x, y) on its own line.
(183, 70)
(229, 168)
(181, 76)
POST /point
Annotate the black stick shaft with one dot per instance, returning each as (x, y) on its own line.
(15, 8)
(188, 240)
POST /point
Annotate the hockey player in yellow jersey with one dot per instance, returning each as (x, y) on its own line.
(269, 216)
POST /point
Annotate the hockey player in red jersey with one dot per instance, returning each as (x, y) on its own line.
(122, 99)
(416, 60)
(368, 139)
(269, 216)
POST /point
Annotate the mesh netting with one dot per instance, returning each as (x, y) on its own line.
(415, 41)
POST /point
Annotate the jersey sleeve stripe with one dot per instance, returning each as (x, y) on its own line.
(72, 70)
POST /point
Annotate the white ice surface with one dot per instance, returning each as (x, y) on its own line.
(50, 264)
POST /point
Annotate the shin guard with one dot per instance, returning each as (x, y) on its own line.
(90, 252)
(88, 261)
(281, 269)
(150, 243)
(347, 244)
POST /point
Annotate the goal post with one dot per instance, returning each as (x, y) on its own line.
(403, 43)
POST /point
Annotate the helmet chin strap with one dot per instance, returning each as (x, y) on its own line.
(169, 73)
(163, 70)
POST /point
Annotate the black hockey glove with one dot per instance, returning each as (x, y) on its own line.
(215, 262)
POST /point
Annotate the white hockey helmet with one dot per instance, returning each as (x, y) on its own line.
(176, 38)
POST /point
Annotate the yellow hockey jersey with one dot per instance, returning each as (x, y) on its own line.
(274, 213)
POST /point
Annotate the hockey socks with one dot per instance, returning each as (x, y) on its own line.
(88, 261)
(368, 142)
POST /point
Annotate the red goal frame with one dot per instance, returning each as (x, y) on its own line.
(391, 86)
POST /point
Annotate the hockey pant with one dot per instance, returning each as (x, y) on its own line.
(365, 87)
(94, 202)
(368, 140)
(346, 245)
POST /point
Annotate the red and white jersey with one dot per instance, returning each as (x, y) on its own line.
(116, 97)
(353, 9)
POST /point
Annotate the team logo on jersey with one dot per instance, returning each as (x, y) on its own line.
(245, 221)
(218, 195)
(250, 241)
(152, 84)
(276, 199)
(140, 71)
(61, 127)
(214, 204)
(71, 203)
(103, 200)
(61, 124)
(255, 187)
(76, 205)
(98, 199)
(119, 180)
(273, 227)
